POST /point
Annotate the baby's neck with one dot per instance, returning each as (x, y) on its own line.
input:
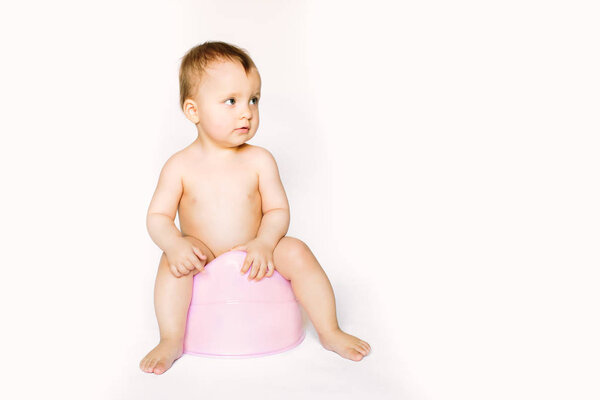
(210, 149)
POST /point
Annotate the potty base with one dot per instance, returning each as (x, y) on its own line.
(296, 344)
(239, 330)
(232, 317)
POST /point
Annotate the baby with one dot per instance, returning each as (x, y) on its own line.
(229, 197)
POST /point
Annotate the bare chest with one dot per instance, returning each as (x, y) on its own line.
(221, 204)
(212, 189)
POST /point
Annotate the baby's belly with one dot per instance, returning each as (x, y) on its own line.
(221, 225)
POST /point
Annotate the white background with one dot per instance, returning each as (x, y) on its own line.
(441, 161)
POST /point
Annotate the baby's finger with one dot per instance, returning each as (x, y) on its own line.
(182, 269)
(263, 270)
(199, 253)
(254, 270)
(246, 266)
(196, 261)
(188, 265)
(196, 265)
(174, 271)
(261, 273)
(259, 267)
(271, 269)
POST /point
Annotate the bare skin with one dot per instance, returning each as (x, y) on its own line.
(229, 194)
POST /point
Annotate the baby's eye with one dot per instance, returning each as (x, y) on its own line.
(255, 100)
(233, 102)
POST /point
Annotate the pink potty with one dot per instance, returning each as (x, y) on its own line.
(232, 317)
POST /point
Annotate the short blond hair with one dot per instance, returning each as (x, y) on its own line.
(196, 60)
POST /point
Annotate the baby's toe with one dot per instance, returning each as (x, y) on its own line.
(361, 350)
(365, 348)
(152, 364)
(355, 355)
(144, 364)
(160, 368)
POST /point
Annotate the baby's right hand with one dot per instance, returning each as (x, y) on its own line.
(184, 257)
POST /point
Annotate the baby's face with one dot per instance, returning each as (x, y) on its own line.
(227, 100)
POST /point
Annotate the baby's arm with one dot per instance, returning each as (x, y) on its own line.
(182, 256)
(163, 206)
(275, 218)
(275, 208)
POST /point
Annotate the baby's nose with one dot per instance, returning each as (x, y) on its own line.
(247, 113)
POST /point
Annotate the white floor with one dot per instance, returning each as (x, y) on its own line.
(307, 371)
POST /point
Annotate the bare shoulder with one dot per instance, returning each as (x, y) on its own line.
(254, 150)
(177, 167)
(261, 157)
(188, 158)
(176, 161)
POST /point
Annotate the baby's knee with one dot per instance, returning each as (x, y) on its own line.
(294, 248)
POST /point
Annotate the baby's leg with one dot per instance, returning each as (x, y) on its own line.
(296, 263)
(171, 302)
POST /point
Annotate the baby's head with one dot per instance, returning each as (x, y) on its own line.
(219, 91)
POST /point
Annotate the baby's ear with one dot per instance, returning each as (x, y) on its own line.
(190, 109)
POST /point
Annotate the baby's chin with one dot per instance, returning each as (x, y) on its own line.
(239, 144)
(246, 138)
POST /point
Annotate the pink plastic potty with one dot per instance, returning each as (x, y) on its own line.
(230, 316)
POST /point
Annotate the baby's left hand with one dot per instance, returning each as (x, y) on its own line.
(260, 255)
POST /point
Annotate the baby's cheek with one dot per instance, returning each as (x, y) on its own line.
(219, 127)
(217, 122)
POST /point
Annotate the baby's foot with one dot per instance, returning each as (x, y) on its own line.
(345, 345)
(162, 356)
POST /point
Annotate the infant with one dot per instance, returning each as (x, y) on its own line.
(229, 197)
